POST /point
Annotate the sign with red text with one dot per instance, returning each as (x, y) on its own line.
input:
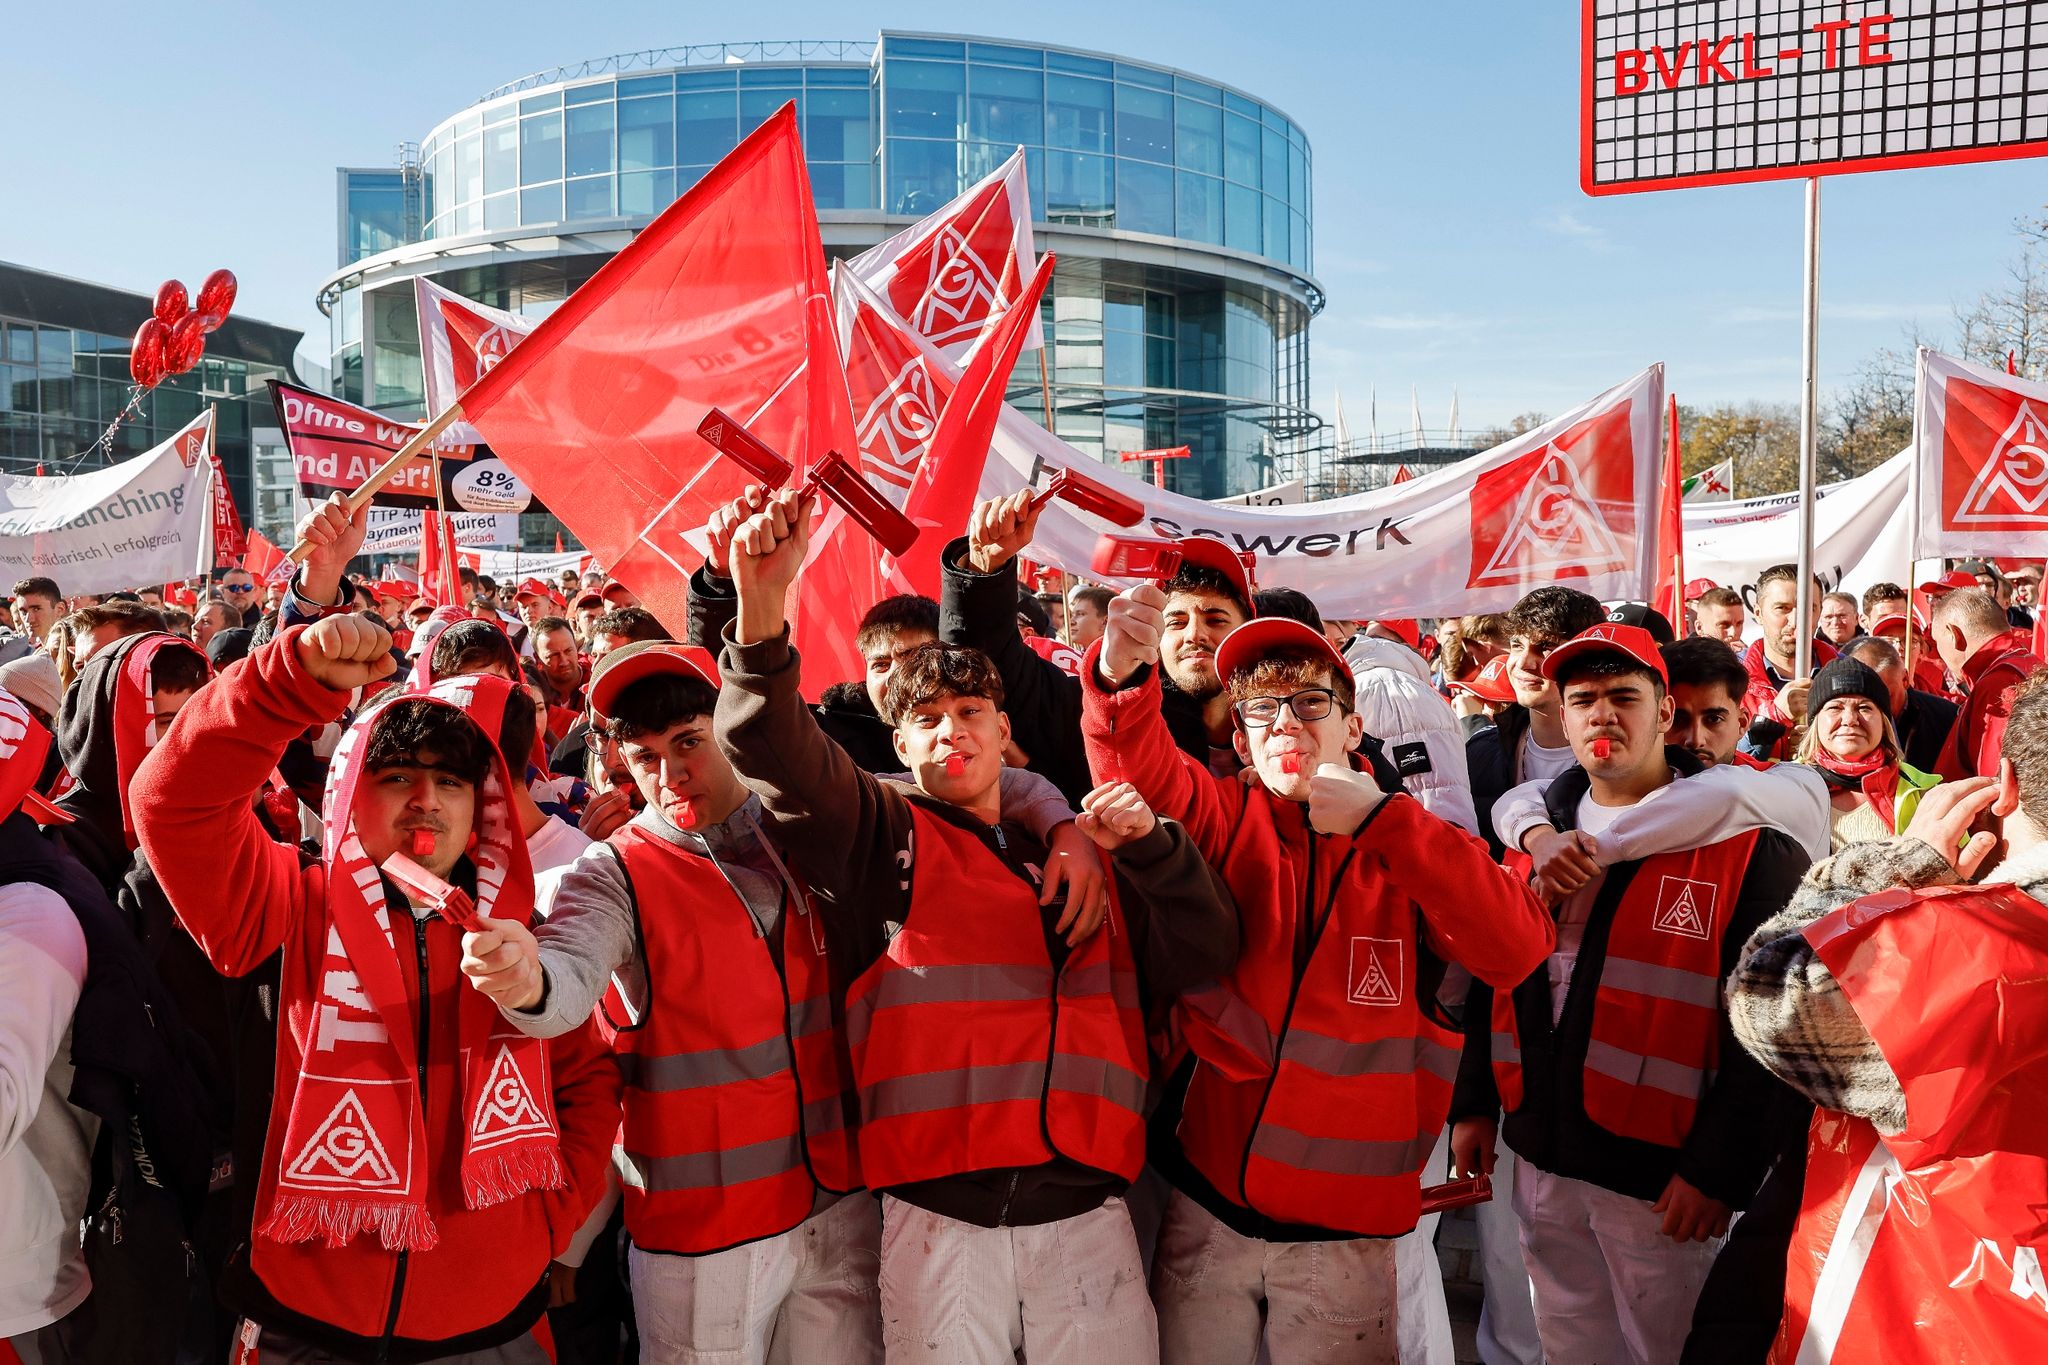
(336, 444)
(1695, 93)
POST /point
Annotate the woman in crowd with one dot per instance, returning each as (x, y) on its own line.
(1872, 790)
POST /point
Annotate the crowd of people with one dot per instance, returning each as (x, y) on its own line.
(1101, 976)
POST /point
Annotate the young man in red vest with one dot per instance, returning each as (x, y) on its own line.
(1638, 1123)
(998, 1038)
(1989, 660)
(1905, 1001)
(424, 1161)
(1322, 1062)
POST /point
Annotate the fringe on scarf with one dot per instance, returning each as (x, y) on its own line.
(302, 1217)
(511, 1173)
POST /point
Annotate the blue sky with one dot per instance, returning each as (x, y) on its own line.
(1451, 236)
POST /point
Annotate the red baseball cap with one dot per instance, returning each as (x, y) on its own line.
(1949, 582)
(1698, 588)
(589, 598)
(24, 745)
(613, 585)
(1490, 683)
(1210, 553)
(1403, 626)
(1897, 621)
(533, 587)
(622, 668)
(1609, 638)
(1261, 636)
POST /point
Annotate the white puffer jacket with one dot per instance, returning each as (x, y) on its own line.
(1405, 712)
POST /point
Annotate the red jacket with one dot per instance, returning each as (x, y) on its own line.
(243, 896)
(1764, 682)
(1289, 1114)
(1992, 674)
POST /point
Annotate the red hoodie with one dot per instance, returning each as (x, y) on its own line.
(243, 896)
(1992, 674)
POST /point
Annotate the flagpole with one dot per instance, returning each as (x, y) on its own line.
(1045, 390)
(1808, 429)
(385, 472)
(213, 471)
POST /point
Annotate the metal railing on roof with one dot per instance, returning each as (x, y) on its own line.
(697, 54)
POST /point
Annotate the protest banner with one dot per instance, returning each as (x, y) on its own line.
(459, 340)
(1859, 532)
(396, 530)
(140, 521)
(336, 445)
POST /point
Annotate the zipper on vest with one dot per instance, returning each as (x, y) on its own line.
(419, 939)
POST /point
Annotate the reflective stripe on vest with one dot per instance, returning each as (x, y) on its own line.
(736, 1085)
(1340, 1156)
(970, 1054)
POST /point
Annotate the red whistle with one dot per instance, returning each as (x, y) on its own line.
(955, 765)
(1603, 749)
(686, 815)
(1290, 764)
(451, 903)
(422, 843)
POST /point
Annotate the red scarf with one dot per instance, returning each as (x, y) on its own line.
(1874, 774)
(135, 711)
(355, 1146)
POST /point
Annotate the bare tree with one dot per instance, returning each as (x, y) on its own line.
(1762, 438)
(2012, 318)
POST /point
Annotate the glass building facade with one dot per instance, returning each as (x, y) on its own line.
(1181, 211)
(64, 378)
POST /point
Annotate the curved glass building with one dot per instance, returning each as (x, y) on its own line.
(1180, 210)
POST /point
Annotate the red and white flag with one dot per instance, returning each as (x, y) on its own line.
(460, 340)
(720, 302)
(1980, 472)
(951, 274)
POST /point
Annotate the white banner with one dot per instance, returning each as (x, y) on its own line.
(1572, 502)
(396, 530)
(1287, 494)
(1981, 486)
(140, 522)
(509, 566)
(1859, 532)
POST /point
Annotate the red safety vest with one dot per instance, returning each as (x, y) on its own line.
(1928, 1246)
(970, 1052)
(1655, 1039)
(1317, 1102)
(737, 1088)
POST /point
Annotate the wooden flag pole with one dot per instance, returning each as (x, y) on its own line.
(385, 472)
(1045, 390)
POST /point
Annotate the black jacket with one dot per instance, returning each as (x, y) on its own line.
(1923, 727)
(1491, 762)
(1730, 1147)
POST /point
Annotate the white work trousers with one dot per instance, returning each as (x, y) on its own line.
(807, 1295)
(1507, 1315)
(1610, 1286)
(1221, 1296)
(1064, 1293)
(1424, 1318)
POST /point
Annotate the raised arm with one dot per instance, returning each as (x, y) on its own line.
(235, 888)
(1476, 913)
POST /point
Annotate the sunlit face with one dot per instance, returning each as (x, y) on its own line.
(393, 802)
(555, 652)
(1706, 722)
(682, 773)
(1881, 608)
(1849, 727)
(968, 733)
(606, 770)
(1777, 604)
(586, 617)
(881, 657)
(1196, 623)
(239, 588)
(1084, 622)
(34, 614)
(1286, 753)
(1723, 623)
(1625, 711)
(531, 609)
(1837, 620)
(1525, 670)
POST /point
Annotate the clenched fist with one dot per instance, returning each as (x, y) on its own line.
(346, 652)
(1130, 639)
(1339, 799)
(503, 961)
(999, 529)
(1114, 815)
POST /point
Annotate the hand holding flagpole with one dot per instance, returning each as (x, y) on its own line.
(384, 473)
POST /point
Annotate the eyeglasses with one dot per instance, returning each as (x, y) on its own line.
(238, 587)
(1311, 703)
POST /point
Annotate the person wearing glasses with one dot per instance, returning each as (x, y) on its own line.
(1322, 1061)
(239, 590)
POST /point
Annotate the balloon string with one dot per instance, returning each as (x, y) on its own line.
(105, 444)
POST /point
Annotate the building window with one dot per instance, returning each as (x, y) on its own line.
(589, 140)
(542, 204)
(707, 126)
(540, 149)
(838, 126)
(925, 99)
(922, 175)
(647, 134)
(1144, 197)
(1144, 124)
(1005, 105)
(642, 194)
(1241, 150)
(591, 198)
(1199, 209)
(1079, 189)
(501, 158)
(1197, 137)
(1077, 114)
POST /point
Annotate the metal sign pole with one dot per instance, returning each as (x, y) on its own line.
(1809, 430)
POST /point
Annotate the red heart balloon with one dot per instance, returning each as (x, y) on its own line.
(188, 340)
(146, 355)
(216, 296)
(171, 302)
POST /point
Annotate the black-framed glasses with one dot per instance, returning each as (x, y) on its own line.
(1311, 703)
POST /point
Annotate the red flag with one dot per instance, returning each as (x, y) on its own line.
(719, 302)
(1670, 595)
(1402, 475)
(558, 542)
(440, 581)
(230, 543)
(264, 560)
(949, 479)
(952, 274)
